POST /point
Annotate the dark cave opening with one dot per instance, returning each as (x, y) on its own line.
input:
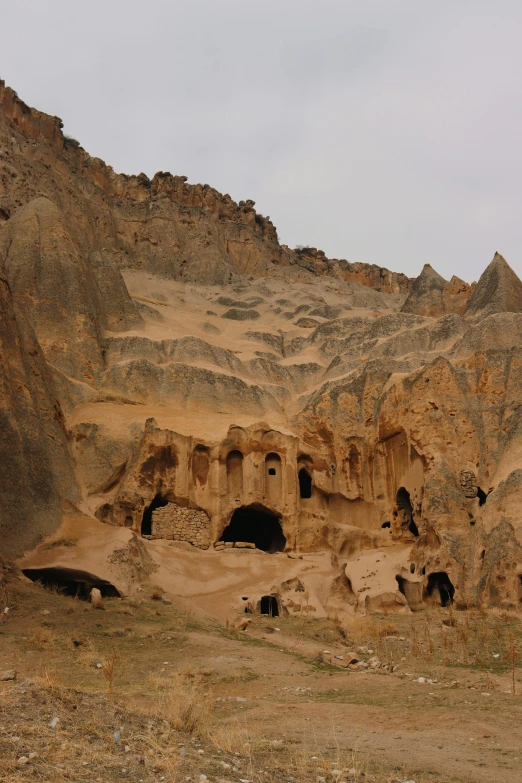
(412, 527)
(69, 581)
(405, 508)
(482, 497)
(385, 524)
(256, 525)
(441, 583)
(269, 606)
(305, 484)
(146, 522)
(400, 584)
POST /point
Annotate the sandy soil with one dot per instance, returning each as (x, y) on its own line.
(464, 728)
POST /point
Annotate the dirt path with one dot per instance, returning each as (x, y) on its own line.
(268, 684)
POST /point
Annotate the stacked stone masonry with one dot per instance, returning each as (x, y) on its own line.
(176, 523)
(468, 482)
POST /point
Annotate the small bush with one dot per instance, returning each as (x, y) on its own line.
(187, 705)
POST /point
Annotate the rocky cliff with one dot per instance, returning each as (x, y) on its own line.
(173, 376)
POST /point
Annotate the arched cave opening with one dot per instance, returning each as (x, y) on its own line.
(273, 478)
(482, 497)
(305, 484)
(440, 583)
(269, 606)
(71, 582)
(234, 473)
(256, 525)
(146, 522)
(406, 511)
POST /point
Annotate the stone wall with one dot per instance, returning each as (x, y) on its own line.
(177, 523)
(468, 482)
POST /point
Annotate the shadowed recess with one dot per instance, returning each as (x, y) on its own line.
(69, 581)
(440, 583)
(269, 606)
(406, 511)
(146, 522)
(256, 525)
(305, 484)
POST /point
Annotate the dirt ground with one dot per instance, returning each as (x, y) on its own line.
(146, 691)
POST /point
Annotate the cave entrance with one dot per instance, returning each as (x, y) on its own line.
(482, 497)
(400, 583)
(269, 606)
(256, 525)
(305, 484)
(69, 581)
(146, 522)
(405, 510)
(440, 583)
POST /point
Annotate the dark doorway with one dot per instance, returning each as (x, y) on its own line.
(400, 583)
(71, 582)
(269, 606)
(305, 484)
(256, 525)
(440, 583)
(146, 522)
(405, 509)
(482, 497)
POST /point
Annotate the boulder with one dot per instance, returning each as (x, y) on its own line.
(96, 598)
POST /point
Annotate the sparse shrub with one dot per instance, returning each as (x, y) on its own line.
(187, 705)
(109, 672)
(40, 638)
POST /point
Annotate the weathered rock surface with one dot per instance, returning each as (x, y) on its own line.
(187, 397)
(431, 295)
(499, 290)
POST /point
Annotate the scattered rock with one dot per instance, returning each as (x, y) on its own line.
(241, 315)
(96, 598)
(241, 624)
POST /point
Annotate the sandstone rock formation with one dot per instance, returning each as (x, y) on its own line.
(186, 401)
(434, 296)
(499, 290)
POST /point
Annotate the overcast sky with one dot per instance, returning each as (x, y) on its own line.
(385, 131)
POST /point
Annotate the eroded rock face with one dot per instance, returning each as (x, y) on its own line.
(499, 290)
(431, 295)
(179, 388)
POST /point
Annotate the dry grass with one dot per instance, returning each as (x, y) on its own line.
(95, 738)
(363, 629)
(185, 702)
(158, 689)
(40, 638)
